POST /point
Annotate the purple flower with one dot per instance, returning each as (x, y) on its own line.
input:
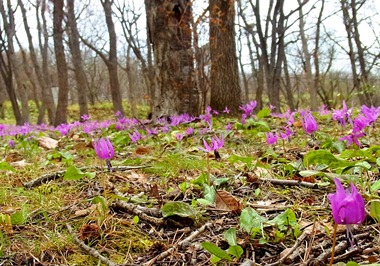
(216, 144)
(308, 122)
(287, 134)
(353, 138)
(228, 126)
(271, 138)
(11, 143)
(63, 129)
(226, 110)
(347, 206)
(85, 117)
(104, 149)
(248, 108)
(323, 110)
(179, 136)
(153, 131)
(360, 122)
(189, 131)
(135, 137)
(343, 115)
(372, 113)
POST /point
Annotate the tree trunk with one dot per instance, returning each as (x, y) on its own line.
(7, 57)
(306, 57)
(170, 33)
(63, 93)
(46, 93)
(80, 76)
(112, 59)
(224, 77)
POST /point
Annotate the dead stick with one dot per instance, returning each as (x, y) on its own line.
(178, 245)
(52, 176)
(296, 245)
(289, 182)
(93, 252)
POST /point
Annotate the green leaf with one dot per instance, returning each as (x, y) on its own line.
(209, 193)
(90, 175)
(265, 112)
(136, 219)
(251, 221)
(73, 173)
(230, 236)
(307, 173)
(236, 251)
(363, 164)
(215, 250)
(285, 219)
(20, 217)
(352, 263)
(319, 157)
(202, 179)
(375, 186)
(378, 161)
(221, 181)
(4, 166)
(236, 158)
(178, 208)
(375, 210)
(102, 201)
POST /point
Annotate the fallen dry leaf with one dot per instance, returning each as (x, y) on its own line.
(226, 202)
(47, 143)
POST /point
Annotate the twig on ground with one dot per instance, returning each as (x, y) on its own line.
(52, 176)
(290, 182)
(178, 245)
(137, 210)
(93, 252)
(298, 242)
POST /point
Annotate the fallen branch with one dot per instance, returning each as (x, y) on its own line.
(289, 182)
(93, 252)
(178, 245)
(52, 176)
(137, 210)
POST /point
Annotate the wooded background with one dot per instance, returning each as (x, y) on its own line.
(179, 56)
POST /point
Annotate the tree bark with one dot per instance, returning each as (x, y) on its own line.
(171, 36)
(112, 59)
(224, 77)
(80, 76)
(63, 93)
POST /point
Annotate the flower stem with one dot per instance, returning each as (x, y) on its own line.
(333, 245)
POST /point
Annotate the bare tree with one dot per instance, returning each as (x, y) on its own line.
(356, 52)
(43, 79)
(170, 34)
(76, 55)
(224, 77)
(7, 54)
(306, 59)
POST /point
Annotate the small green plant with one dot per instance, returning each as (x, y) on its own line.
(234, 251)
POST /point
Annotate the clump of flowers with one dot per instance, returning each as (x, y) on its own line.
(342, 115)
(248, 110)
(105, 151)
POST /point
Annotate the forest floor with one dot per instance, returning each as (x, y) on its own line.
(168, 202)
